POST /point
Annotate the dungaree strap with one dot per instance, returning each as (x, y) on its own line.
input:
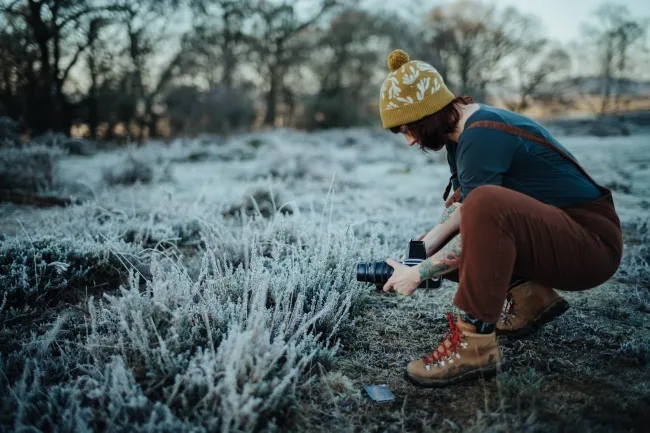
(519, 132)
(449, 185)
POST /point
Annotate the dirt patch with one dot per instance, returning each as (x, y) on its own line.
(570, 376)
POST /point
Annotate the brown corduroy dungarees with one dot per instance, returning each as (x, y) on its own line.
(507, 233)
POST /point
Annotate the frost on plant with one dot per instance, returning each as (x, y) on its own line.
(236, 339)
(28, 170)
(30, 267)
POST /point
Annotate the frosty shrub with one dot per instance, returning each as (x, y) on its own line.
(261, 201)
(188, 150)
(236, 339)
(72, 146)
(136, 170)
(221, 111)
(149, 232)
(155, 228)
(638, 350)
(105, 399)
(335, 111)
(9, 135)
(27, 170)
(635, 264)
(225, 350)
(31, 267)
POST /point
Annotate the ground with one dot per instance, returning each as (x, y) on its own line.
(570, 376)
(238, 309)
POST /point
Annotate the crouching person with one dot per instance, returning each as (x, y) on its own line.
(527, 218)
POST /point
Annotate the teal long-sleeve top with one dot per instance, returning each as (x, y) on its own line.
(485, 156)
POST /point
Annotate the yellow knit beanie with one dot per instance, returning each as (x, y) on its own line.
(411, 91)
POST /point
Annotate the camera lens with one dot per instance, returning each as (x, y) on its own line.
(361, 272)
(374, 272)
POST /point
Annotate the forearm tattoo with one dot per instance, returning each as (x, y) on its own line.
(446, 214)
(442, 262)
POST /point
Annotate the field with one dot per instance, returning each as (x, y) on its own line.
(208, 285)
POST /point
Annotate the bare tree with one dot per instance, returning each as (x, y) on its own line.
(536, 61)
(276, 40)
(17, 69)
(472, 40)
(614, 36)
(146, 25)
(348, 54)
(55, 27)
(218, 42)
(99, 64)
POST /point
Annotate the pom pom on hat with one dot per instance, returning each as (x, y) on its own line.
(397, 59)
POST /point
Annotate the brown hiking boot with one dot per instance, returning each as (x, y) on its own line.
(528, 306)
(462, 355)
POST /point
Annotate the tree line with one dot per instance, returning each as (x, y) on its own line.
(108, 68)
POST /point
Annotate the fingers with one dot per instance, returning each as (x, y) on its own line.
(392, 263)
(388, 287)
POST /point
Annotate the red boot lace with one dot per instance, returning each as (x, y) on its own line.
(508, 309)
(454, 337)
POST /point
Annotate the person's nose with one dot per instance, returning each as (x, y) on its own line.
(411, 140)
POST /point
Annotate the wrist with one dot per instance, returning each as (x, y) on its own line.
(417, 273)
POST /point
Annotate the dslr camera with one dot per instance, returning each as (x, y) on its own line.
(379, 272)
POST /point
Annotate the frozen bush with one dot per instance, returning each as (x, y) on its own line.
(119, 404)
(27, 170)
(261, 201)
(222, 349)
(106, 399)
(153, 228)
(222, 110)
(638, 350)
(72, 146)
(635, 264)
(31, 405)
(131, 170)
(339, 110)
(233, 342)
(31, 267)
(9, 135)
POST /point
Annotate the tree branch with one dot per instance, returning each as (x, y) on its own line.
(9, 9)
(327, 5)
(75, 58)
(86, 11)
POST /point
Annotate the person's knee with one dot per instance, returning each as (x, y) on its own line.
(486, 199)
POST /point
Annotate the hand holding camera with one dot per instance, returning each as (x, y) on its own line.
(379, 273)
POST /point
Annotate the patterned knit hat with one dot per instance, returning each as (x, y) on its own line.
(412, 90)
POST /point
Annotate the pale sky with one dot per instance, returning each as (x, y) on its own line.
(561, 18)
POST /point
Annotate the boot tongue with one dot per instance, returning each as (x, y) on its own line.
(464, 326)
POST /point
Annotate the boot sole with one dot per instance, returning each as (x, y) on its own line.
(479, 373)
(556, 309)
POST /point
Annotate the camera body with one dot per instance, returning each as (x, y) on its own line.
(380, 272)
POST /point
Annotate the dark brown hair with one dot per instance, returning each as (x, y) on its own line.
(432, 131)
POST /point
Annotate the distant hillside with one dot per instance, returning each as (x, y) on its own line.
(582, 86)
(595, 86)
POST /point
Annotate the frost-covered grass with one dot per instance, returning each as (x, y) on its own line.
(208, 285)
(222, 350)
